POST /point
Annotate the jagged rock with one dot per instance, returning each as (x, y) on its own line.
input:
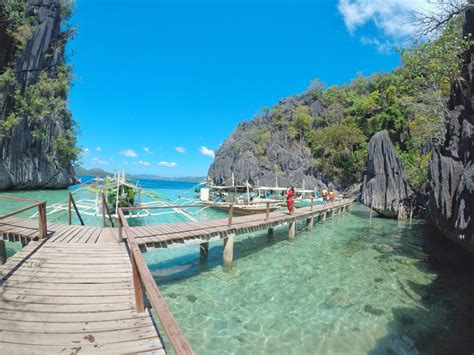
(281, 160)
(385, 187)
(451, 171)
(27, 162)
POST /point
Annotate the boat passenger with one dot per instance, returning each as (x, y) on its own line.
(289, 199)
(131, 197)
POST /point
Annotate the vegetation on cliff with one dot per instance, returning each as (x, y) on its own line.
(44, 96)
(410, 103)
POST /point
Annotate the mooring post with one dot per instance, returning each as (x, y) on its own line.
(309, 222)
(292, 229)
(228, 252)
(3, 252)
(204, 250)
(270, 232)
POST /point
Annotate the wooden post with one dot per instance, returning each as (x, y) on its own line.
(3, 252)
(42, 225)
(231, 213)
(120, 226)
(69, 214)
(292, 229)
(268, 211)
(309, 222)
(103, 209)
(323, 217)
(228, 252)
(45, 220)
(270, 232)
(204, 250)
(137, 285)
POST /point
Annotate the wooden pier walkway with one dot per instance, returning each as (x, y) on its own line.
(75, 288)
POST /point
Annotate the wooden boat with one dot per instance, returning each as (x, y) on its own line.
(245, 209)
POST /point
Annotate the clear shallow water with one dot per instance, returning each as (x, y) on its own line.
(347, 287)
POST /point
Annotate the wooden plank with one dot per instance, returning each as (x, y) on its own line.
(62, 300)
(76, 327)
(65, 308)
(151, 346)
(52, 339)
(70, 317)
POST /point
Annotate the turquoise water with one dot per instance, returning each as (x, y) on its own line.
(350, 286)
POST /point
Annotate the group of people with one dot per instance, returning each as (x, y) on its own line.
(290, 192)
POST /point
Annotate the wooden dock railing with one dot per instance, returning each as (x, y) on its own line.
(41, 205)
(142, 275)
(71, 201)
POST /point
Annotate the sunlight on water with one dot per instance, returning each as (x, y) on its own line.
(347, 287)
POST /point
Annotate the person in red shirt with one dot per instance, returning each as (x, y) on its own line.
(289, 199)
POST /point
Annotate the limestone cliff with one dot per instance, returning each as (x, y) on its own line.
(263, 152)
(385, 186)
(451, 202)
(37, 142)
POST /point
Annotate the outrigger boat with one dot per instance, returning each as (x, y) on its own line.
(243, 200)
(118, 192)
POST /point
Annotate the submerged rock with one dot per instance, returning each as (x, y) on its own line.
(375, 311)
(383, 248)
(340, 298)
(385, 188)
(451, 171)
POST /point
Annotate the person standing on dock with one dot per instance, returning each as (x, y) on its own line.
(289, 199)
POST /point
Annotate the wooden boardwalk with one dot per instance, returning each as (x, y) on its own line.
(185, 233)
(75, 288)
(68, 295)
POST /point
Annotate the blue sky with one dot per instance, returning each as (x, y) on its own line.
(152, 76)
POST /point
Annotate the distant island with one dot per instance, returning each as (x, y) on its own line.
(81, 171)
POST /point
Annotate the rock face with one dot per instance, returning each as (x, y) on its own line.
(262, 152)
(385, 187)
(451, 171)
(28, 162)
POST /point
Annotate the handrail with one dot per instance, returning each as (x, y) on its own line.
(70, 201)
(42, 222)
(142, 275)
(105, 208)
(208, 204)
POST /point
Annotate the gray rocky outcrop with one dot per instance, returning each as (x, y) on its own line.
(263, 153)
(385, 187)
(451, 170)
(26, 161)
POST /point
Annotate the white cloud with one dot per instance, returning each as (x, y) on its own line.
(146, 150)
(128, 153)
(384, 47)
(145, 163)
(99, 161)
(85, 151)
(169, 164)
(180, 149)
(206, 151)
(394, 18)
(98, 149)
